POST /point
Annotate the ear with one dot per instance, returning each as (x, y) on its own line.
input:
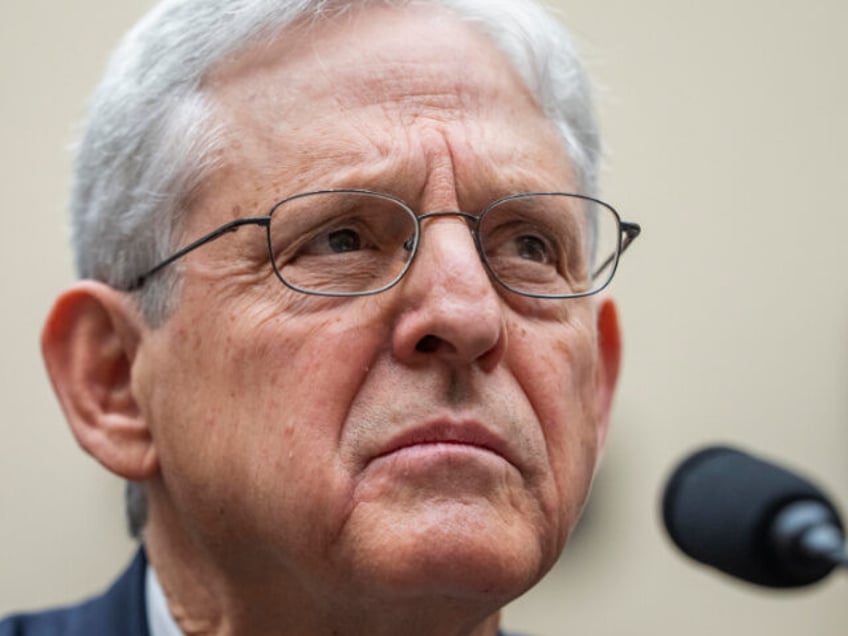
(89, 343)
(609, 362)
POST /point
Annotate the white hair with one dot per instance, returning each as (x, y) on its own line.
(150, 139)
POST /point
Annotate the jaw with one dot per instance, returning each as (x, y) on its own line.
(204, 598)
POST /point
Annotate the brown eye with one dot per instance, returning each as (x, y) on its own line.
(344, 240)
(532, 248)
(341, 242)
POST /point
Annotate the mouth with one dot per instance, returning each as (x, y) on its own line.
(447, 438)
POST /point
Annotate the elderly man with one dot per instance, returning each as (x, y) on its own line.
(338, 323)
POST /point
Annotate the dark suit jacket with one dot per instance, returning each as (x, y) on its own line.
(121, 611)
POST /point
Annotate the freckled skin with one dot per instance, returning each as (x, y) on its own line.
(270, 409)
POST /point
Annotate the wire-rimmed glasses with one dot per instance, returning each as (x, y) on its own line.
(353, 242)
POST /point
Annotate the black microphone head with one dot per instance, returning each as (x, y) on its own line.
(720, 507)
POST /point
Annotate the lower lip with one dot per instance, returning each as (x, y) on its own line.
(420, 456)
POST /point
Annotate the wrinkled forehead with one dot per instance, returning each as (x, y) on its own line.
(411, 100)
(420, 58)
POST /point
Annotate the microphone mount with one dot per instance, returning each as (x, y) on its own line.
(806, 536)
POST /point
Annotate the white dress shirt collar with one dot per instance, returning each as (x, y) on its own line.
(159, 618)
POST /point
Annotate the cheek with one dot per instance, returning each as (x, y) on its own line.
(556, 368)
(311, 367)
(250, 414)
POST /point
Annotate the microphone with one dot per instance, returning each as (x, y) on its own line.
(752, 519)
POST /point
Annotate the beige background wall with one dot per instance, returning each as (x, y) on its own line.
(726, 134)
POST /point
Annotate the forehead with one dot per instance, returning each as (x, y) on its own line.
(376, 86)
(408, 53)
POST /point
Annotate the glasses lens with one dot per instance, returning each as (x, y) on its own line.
(551, 245)
(341, 243)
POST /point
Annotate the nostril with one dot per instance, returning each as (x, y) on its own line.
(427, 344)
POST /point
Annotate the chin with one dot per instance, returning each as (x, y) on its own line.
(459, 555)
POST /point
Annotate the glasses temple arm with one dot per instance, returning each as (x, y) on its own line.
(630, 232)
(232, 226)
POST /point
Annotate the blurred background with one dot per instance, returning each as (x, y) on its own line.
(726, 135)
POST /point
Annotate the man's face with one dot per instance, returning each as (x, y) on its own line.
(439, 436)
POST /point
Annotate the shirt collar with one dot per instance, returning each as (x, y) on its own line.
(159, 617)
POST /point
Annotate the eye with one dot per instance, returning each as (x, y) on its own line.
(341, 242)
(336, 241)
(344, 240)
(517, 243)
(532, 248)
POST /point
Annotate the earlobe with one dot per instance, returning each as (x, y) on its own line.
(89, 343)
(608, 364)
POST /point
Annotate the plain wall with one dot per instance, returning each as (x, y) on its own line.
(726, 137)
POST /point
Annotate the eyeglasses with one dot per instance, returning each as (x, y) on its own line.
(351, 242)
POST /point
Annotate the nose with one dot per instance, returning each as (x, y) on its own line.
(450, 307)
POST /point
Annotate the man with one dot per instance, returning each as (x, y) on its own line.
(338, 324)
